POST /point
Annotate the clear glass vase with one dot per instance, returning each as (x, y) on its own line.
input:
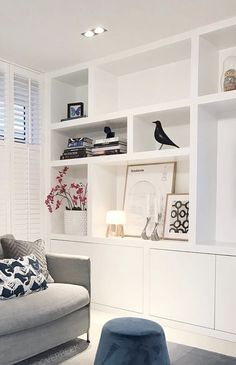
(228, 78)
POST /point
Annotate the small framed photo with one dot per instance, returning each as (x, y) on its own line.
(176, 225)
(75, 110)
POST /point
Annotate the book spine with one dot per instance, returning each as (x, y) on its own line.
(112, 152)
(79, 144)
(75, 156)
(76, 153)
(110, 140)
(65, 157)
(77, 149)
(109, 144)
(120, 147)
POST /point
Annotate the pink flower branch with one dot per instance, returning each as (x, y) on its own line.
(62, 190)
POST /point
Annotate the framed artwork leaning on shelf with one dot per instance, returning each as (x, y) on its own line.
(176, 225)
(145, 193)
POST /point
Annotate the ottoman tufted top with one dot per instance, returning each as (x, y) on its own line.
(132, 326)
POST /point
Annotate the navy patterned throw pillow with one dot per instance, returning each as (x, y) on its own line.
(20, 277)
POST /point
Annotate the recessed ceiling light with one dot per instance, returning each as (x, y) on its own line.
(89, 33)
(92, 32)
(99, 30)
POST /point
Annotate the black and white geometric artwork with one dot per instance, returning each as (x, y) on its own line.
(177, 217)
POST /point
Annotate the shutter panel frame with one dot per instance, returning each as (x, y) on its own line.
(26, 202)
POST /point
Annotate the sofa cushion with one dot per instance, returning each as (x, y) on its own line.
(20, 277)
(57, 301)
(13, 248)
(1, 250)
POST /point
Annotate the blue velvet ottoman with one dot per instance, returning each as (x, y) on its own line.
(132, 341)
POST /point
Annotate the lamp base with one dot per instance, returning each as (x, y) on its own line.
(115, 230)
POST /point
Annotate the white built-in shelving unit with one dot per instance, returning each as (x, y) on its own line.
(178, 81)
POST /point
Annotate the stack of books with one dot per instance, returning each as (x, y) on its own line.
(109, 146)
(77, 148)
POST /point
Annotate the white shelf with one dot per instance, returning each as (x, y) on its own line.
(117, 118)
(166, 155)
(70, 124)
(220, 104)
(71, 162)
(82, 125)
(217, 248)
(126, 241)
(90, 160)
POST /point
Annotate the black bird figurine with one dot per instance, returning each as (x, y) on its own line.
(108, 132)
(161, 137)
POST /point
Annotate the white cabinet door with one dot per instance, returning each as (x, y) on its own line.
(226, 294)
(116, 272)
(182, 287)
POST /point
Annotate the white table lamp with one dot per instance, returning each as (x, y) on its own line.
(115, 221)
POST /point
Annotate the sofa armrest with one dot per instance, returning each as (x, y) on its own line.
(70, 269)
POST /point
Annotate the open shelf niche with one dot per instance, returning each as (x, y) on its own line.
(214, 48)
(74, 175)
(93, 130)
(108, 187)
(175, 122)
(152, 76)
(216, 217)
(65, 89)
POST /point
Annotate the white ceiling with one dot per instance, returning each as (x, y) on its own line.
(46, 34)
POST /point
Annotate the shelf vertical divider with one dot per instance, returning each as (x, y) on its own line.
(89, 200)
(130, 134)
(47, 158)
(193, 138)
(91, 94)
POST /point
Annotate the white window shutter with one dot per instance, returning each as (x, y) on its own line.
(2, 103)
(35, 113)
(3, 191)
(26, 159)
(4, 179)
(34, 193)
(20, 206)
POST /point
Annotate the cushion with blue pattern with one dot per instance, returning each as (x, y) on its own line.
(21, 276)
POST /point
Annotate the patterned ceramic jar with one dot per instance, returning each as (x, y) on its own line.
(75, 222)
(229, 74)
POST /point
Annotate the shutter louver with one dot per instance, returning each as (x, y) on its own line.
(21, 108)
(26, 209)
(35, 117)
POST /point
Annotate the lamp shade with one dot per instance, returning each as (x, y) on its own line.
(115, 217)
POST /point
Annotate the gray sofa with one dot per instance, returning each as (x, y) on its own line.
(37, 322)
